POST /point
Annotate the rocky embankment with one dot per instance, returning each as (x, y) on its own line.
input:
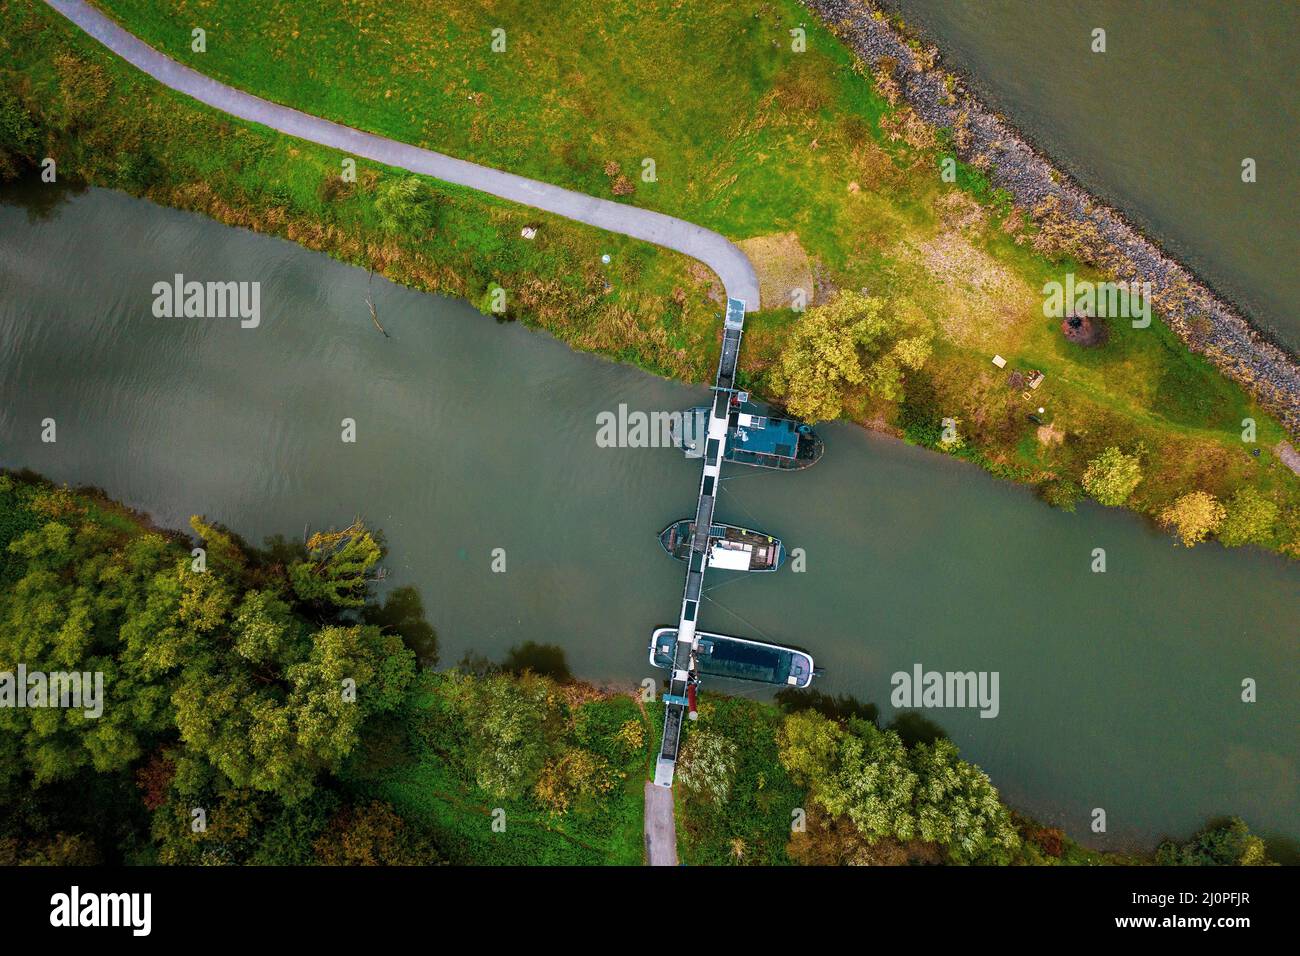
(1203, 321)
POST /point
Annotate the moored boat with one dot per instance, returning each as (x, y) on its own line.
(754, 437)
(731, 548)
(738, 658)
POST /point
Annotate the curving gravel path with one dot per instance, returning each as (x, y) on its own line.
(715, 251)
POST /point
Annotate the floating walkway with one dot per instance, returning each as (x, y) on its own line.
(685, 651)
(676, 702)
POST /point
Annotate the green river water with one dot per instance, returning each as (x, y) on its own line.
(1117, 690)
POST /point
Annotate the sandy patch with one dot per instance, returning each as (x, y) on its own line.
(983, 299)
(1050, 435)
(783, 269)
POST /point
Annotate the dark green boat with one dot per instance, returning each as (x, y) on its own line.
(731, 548)
(754, 437)
(739, 658)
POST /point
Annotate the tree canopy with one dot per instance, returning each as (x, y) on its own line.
(1193, 517)
(249, 676)
(858, 772)
(850, 341)
(1112, 476)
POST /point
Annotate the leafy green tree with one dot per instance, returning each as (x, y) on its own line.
(224, 551)
(809, 746)
(243, 826)
(1111, 477)
(861, 773)
(218, 656)
(75, 584)
(822, 355)
(266, 631)
(957, 807)
(849, 341)
(18, 136)
(884, 376)
(1061, 493)
(512, 724)
(372, 835)
(406, 205)
(1222, 843)
(262, 736)
(62, 849)
(350, 674)
(337, 571)
(873, 784)
(1249, 519)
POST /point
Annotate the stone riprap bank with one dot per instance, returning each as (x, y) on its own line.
(1203, 321)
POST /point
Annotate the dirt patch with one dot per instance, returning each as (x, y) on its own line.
(1050, 435)
(704, 276)
(983, 298)
(1085, 330)
(784, 270)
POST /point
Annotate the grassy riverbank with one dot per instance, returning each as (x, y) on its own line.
(800, 156)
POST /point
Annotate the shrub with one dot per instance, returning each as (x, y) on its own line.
(1111, 476)
(707, 766)
(1060, 493)
(1249, 519)
(1224, 843)
(1193, 516)
(572, 775)
(406, 205)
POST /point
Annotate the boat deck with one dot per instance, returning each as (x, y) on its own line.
(764, 441)
(730, 547)
(737, 658)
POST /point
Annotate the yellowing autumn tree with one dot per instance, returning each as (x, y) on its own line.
(1193, 516)
(844, 343)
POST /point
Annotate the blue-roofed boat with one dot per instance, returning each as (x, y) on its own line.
(754, 437)
(731, 548)
(738, 658)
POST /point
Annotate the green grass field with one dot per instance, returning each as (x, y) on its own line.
(795, 152)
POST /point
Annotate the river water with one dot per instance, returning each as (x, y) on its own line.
(1158, 124)
(1117, 690)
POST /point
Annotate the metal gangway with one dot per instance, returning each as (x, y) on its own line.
(676, 700)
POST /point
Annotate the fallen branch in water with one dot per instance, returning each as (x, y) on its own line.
(374, 315)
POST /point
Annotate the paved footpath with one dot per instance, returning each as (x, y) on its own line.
(660, 830)
(724, 258)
